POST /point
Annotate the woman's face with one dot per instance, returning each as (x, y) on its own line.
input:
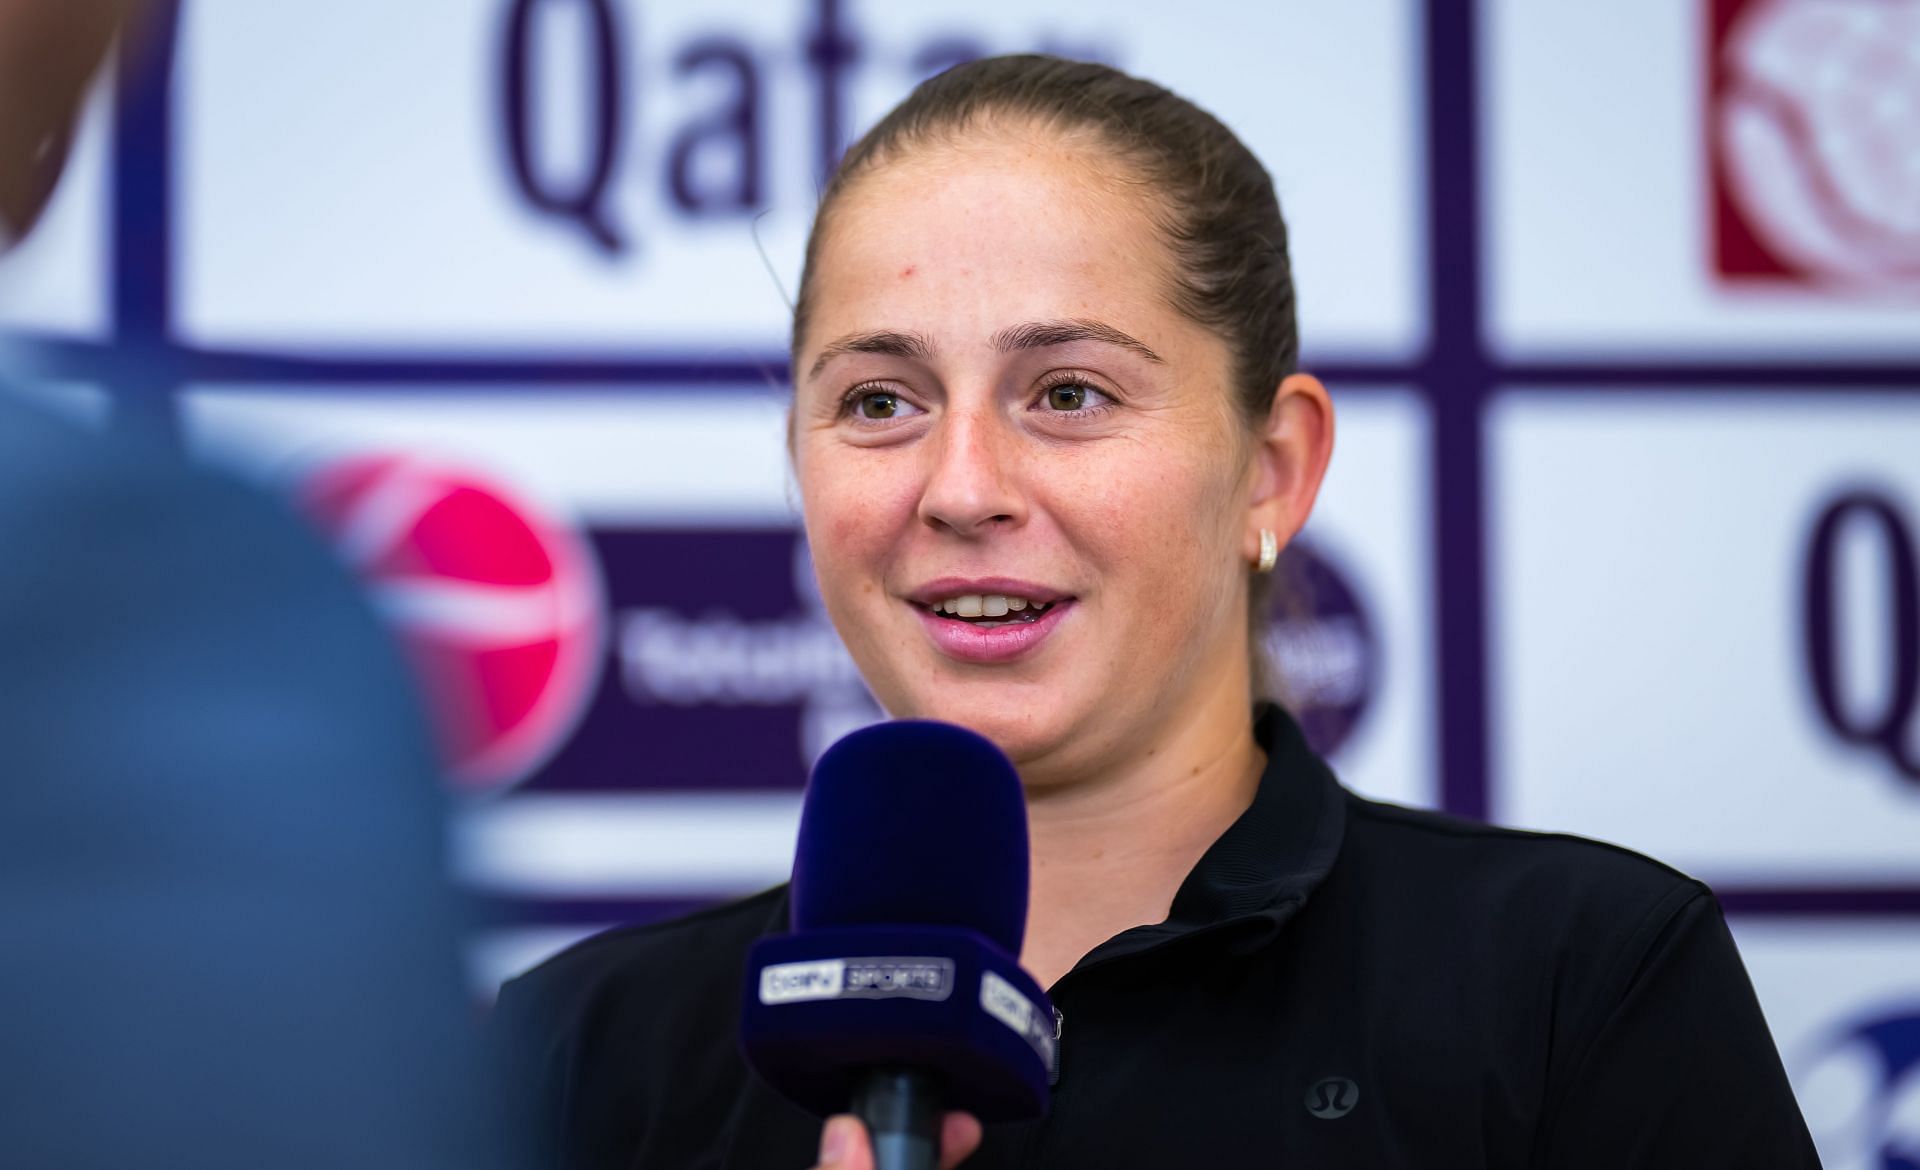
(998, 413)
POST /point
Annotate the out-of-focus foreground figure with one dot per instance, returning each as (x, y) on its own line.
(225, 935)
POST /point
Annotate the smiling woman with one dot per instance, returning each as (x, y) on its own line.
(1049, 438)
(1048, 357)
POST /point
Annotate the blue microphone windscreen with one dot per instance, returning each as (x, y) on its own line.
(914, 823)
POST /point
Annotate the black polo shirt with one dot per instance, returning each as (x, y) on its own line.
(1339, 983)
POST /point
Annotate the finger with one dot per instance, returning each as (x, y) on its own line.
(959, 1137)
(844, 1145)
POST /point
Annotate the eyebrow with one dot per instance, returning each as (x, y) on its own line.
(1032, 335)
(887, 342)
(1041, 334)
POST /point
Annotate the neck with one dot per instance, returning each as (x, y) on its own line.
(1110, 851)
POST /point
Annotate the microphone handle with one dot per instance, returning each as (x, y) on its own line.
(901, 1108)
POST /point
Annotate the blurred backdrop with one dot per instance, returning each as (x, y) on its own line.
(1620, 305)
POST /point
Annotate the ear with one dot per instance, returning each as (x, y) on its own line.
(1289, 460)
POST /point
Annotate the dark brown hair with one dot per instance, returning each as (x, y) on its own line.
(1215, 206)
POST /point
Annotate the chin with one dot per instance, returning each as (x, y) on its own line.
(1024, 731)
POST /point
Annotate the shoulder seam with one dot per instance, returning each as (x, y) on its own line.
(1652, 926)
(1447, 825)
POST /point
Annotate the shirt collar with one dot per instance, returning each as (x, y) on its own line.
(1262, 869)
(1257, 873)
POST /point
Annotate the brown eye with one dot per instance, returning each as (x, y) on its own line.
(1067, 396)
(878, 405)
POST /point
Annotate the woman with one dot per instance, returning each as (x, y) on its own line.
(1049, 439)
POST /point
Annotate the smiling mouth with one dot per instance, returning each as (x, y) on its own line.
(990, 610)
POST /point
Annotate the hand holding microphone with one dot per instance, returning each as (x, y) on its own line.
(899, 996)
(844, 1144)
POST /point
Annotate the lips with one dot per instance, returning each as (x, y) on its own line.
(989, 620)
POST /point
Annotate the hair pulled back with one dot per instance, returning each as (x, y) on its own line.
(1216, 208)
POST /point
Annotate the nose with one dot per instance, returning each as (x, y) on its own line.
(972, 478)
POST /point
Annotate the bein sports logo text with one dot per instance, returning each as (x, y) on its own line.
(1814, 127)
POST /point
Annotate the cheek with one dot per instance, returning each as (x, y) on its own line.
(854, 511)
(1160, 519)
(1161, 529)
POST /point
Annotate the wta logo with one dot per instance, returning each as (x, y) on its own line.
(1815, 154)
(498, 607)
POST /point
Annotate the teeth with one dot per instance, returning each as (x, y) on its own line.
(991, 605)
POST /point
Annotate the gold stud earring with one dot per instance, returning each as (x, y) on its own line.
(1269, 551)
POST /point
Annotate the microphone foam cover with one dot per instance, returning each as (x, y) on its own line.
(914, 823)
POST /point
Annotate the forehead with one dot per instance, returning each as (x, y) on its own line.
(969, 235)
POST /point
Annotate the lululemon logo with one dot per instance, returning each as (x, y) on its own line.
(1331, 1097)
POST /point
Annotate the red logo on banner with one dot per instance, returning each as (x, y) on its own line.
(498, 607)
(1814, 126)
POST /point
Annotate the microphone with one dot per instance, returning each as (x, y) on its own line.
(898, 994)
